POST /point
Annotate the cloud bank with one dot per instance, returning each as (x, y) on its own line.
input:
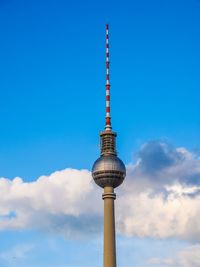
(160, 198)
(188, 257)
(62, 202)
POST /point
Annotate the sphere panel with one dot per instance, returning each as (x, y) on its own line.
(108, 170)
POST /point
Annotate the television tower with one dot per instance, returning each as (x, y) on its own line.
(108, 172)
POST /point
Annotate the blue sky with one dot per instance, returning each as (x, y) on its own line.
(52, 65)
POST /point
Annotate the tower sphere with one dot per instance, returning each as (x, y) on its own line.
(108, 170)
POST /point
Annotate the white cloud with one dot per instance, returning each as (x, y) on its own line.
(55, 202)
(189, 257)
(159, 215)
(160, 198)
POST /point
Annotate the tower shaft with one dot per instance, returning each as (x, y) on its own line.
(109, 227)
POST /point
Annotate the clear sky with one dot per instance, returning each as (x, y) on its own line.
(52, 91)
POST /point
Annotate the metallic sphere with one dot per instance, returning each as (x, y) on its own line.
(108, 170)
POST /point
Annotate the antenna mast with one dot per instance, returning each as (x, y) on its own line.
(108, 117)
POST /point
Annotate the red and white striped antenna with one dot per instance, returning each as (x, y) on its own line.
(108, 117)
